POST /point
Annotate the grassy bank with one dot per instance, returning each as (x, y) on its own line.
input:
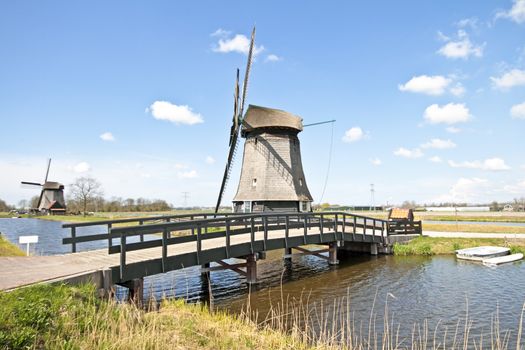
(62, 317)
(9, 249)
(440, 246)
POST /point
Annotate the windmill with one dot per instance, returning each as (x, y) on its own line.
(272, 177)
(51, 198)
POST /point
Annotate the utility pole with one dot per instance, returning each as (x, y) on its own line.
(372, 197)
(185, 195)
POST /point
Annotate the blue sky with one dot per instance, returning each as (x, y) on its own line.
(429, 96)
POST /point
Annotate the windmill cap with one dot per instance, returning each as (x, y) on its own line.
(50, 185)
(262, 117)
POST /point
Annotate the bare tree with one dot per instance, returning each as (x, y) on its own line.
(85, 190)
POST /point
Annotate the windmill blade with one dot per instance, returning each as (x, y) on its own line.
(47, 171)
(320, 123)
(237, 121)
(31, 183)
(247, 75)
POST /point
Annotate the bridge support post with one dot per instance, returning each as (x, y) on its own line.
(288, 254)
(373, 249)
(251, 269)
(332, 253)
(136, 290)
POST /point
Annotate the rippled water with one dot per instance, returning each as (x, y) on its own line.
(417, 288)
(484, 223)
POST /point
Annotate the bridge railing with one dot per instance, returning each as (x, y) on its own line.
(215, 223)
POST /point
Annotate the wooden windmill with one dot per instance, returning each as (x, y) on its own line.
(51, 199)
(272, 177)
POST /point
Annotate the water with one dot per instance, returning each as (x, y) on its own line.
(435, 289)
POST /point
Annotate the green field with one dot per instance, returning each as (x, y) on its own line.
(9, 249)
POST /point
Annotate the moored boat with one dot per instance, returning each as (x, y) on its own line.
(481, 253)
(502, 259)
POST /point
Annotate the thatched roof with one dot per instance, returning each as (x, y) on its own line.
(261, 117)
(50, 185)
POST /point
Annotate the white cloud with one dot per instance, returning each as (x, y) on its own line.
(221, 33)
(458, 90)
(107, 136)
(468, 22)
(191, 174)
(518, 111)
(514, 77)
(516, 13)
(353, 134)
(465, 190)
(239, 43)
(517, 188)
(435, 159)
(492, 164)
(210, 160)
(81, 167)
(376, 161)
(163, 110)
(453, 129)
(408, 153)
(439, 144)
(181, 166)
(462, 47)
(430, 85)
(273, 58)
(451, 113)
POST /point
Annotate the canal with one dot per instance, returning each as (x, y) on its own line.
(433, 290)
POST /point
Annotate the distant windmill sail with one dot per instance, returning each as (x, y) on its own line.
(237, 121)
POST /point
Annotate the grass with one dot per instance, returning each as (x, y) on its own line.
(440, 246)
(9, 249)
(63, 317)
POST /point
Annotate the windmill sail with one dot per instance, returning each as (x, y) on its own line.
(237, 121)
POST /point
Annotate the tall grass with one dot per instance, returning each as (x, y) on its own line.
(64, 317)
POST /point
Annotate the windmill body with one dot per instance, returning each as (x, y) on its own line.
(51, 200)
(272, 177)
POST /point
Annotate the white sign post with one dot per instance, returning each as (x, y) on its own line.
(27, 240)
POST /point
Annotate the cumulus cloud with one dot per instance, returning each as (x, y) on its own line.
(468, 22)
(408, 153)
(518, 111)
(458, 90)
(238, 43)
(510, 79)
(453, 129)
(81, 167)
(376, 161)
(353, 134)
(163, 110)
(516, 12)
(465, 190)
(191, 174)
(435, 159)
(491, 164)
(517, 188)
(461, 47)
(434, 85)
(107, 136)
(210, 160)
(272, 58)
(439, 144)
(451, 113)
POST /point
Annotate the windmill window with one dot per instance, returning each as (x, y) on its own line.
(301, 182)
(254, 182)
(255, 141)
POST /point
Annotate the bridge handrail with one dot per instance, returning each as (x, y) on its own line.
(210, 220)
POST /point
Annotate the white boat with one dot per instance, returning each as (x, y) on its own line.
(481, 253)
(502, 259)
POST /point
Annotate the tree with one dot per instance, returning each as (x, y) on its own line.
(85, 190)
(3, 206)
(34, 202)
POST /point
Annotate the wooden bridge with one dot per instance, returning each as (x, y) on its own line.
(141, 247)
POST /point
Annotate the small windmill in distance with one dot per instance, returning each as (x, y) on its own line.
(51, 199)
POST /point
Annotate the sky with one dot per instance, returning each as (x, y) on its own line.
(428, 96)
